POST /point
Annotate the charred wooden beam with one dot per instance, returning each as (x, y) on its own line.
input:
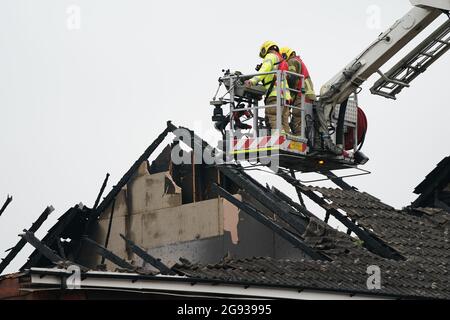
(48, 252)
(22, 242)
(53, 235)
(102, 189)
(61, 249)
(266, 198)
(299, 194)
(372, 243)
(300, 208)
(102, 251)
(7, 202)
(337, 180)
(108, 234)
(147, 257)
(42, 248)
(111, 196)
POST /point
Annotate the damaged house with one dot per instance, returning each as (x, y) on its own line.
(177, 230)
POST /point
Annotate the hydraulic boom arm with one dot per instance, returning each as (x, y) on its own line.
(382, 50)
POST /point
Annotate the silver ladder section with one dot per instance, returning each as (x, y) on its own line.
(416, 62)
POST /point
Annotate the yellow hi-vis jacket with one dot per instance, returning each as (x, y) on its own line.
(271, 63)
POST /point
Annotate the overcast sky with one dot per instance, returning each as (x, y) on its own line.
(84, 95)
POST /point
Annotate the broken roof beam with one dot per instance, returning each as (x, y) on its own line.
(278, 193)
(337, 180)
(129, 174)
(374, 244)
(102, 189)
(437, 179)
(46, 251)
(5, 205)
(341, 184)
(260, 217)
(266, 198)
(22, 242)
(102, 251)
(72, 213)
(147, 257)
(299, 194)
(52, 236)
(198, 142)
(108, 232)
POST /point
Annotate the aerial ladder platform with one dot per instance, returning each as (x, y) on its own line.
(248, 137)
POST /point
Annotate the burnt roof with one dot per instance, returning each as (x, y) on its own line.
(419, 236)
(422, 238)
(435, 182)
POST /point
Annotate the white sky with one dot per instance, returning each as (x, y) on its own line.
(76, 104)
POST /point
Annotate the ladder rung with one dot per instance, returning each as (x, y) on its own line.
(383, 94)
(426, 54)
(413, 67)
(413, 64)
(443, 42)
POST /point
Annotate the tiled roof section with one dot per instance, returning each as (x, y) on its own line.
(333, 243)
(420, 235)
(439, 217)
(414, 236)
(398, 279)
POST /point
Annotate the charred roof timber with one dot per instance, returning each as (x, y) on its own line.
(83, 216)
(147, 257)
(337, 180)
(434, 191)
(64, 222)
(46, 251)
(7, 202)
(266, 198)
(102, 251)
(22, 242)
(375, 245)
(102, 189)
(108, 233)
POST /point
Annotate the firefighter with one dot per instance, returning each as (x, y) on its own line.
(297, 65)
(272, 61)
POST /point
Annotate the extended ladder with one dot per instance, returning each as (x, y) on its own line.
(416, 62)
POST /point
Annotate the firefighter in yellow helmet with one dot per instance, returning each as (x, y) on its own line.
(272, 61)
(297, 65)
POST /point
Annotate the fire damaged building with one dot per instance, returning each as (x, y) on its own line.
(169, 230)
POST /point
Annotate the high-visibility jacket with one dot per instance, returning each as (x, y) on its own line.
(297, 65)
(271, 62)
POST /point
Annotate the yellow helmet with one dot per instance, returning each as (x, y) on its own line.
(266, 47)
(286, 52)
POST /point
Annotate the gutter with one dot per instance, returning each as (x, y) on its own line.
(57, 278)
